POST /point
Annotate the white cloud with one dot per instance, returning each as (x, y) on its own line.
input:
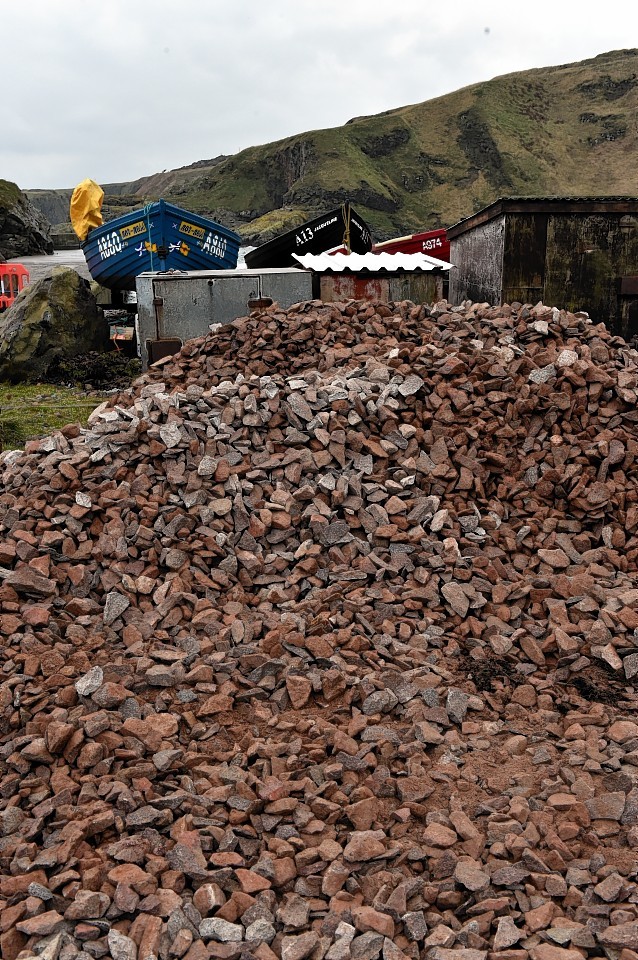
(120, 89)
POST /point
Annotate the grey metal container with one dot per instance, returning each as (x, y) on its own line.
(175, 307)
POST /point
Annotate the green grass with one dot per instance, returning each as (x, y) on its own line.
(36, 410)
(274, 223)
(9, 193)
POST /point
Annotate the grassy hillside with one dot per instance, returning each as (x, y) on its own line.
(566, 130)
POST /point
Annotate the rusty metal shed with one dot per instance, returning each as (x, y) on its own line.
(377, 276)
(580, 253)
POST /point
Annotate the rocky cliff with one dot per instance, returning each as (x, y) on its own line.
(53, 204)
(24, 231)
(564, 130)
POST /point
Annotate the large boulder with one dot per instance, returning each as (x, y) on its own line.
(24, 231)
(52, 320)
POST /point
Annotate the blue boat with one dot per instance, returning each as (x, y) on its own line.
(158, 237)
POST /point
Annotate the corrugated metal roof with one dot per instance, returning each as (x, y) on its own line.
(370, 262)
(585, 197)
(583, 204)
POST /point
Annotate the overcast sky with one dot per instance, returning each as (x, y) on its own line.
(120, 89)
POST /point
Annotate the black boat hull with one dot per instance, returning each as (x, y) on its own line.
(316, 236)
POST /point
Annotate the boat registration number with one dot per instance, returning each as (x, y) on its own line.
(191, 230)
(133, 230)
(109, 245)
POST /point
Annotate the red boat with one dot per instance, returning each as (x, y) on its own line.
(433, 242)
(13, 278)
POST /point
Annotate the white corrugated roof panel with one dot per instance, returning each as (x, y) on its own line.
(370, 262)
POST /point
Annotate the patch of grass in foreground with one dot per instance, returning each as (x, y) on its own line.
(28, 411)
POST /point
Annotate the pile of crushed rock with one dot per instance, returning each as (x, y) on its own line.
(321, 642)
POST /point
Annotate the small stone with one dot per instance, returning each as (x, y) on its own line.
(170, 435)
(413, 789)
(457, 705)
(507, 934)
(630, 666)
(607, 806)
(88, 905)
(293, 912)
(368, 946)
(562, 801)
(299, 690)
(188, 860)
(41, 925)
(543, 374)
(456, 597)
(262, 931)
(90, 682)
(164, 759)
(620, 935)
(207, 467)
(40, 891)
(427, 733)
(121, 947)
(181, 943)
(540, 918)
(298, 947)
(470, 876)
(436, 835)
(299, 406)
(414, 925)
(221, 930)
(381, 701)
(622, 730)
(174, 559)
(367, 918)
(364, 845)
(411, 385)
(161, 675)
(391, 951)
(609, 889)
(208, 897)
(557, 559)
(251, 882)
(566, 358)
(110, 696)
(114, 606)
(547, 951)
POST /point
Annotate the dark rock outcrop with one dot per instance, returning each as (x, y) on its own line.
(23, 230)
(52, 204)
(53, 319)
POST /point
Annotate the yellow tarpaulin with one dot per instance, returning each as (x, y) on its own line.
(86, 207)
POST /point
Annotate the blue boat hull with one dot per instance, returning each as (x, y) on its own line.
(158, 237)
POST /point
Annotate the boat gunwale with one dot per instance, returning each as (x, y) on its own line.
(120, 269)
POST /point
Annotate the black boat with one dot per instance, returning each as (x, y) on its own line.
(340, 227)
